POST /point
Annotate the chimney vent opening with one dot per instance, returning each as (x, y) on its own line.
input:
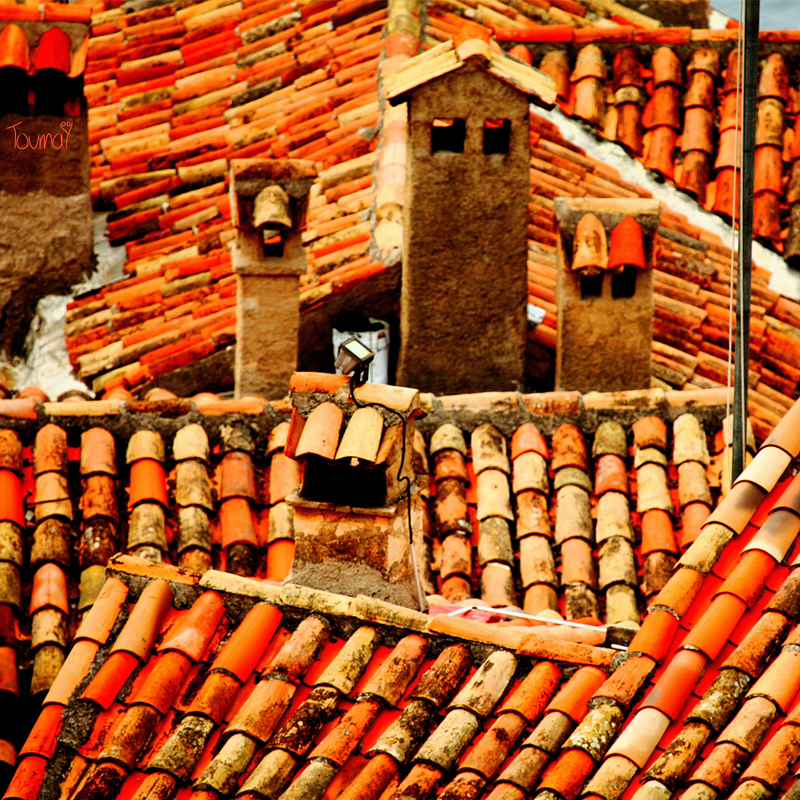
(50, 88)
(592, 285)
(273, 243)
(448, 135)
(344, 484)
(14, 97)
(624, 284)
(496, 136)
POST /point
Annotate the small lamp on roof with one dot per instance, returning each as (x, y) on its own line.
(354, 358)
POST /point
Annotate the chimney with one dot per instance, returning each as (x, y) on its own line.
(268, 205)
(464, 279)
(606, 252)
(351, 512)
(45, 189)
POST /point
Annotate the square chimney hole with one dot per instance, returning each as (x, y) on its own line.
(273, 244)
(448, 135)
(496, 136)
(592, 285)
(14, 97)
(344, 484)
(624, 284)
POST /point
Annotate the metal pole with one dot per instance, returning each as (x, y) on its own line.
(742, 351)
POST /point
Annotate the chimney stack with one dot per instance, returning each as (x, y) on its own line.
(268, 206)
(606, 254)
(351, 511)
(464, 279)
(45, 187)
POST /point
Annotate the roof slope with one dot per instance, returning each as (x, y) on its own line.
(669, 98)
(161, 152)
(225, 685)
(204, 483)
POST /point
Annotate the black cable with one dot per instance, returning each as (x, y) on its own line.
(400, 477)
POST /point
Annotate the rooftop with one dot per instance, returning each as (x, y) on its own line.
(222, 684)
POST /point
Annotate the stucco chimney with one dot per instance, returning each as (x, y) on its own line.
(359, 490)
(464, 281)
(45, 193)
(268, 205)
(606, 254)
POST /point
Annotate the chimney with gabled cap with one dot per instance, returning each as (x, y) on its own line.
(606, 251)
(464, 279)
(268, 204)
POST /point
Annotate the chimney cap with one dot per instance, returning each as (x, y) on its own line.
(251, 175)
(271, 209)
(589, 246)
(451, 56)
(627, 245)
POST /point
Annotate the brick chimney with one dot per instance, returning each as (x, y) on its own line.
(268, 205)
(45, 193)
(464, 281)
(351, 512)
(606, 251)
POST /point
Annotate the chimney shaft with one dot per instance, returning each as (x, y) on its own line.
(45, 192)
(268, 201)
(605, 295)
(464, 285)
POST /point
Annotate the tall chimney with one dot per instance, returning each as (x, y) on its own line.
(606, 251)
(268, 205)
(464, 280)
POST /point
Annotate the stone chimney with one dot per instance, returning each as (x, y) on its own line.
(464, 280)
(45, 192)
(606, 251)
(268, 205)
(351, 512)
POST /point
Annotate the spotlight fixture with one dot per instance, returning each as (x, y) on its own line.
(354, 358)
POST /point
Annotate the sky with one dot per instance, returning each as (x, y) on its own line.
(775, 14)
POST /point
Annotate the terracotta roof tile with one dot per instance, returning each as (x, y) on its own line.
(109, 680)
(144, 622)
(192, 631)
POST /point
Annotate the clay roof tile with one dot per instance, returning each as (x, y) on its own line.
(321, 433)
(569, 448)
(145, 444)
(10, 451)
(392, 678)
(162, 681)
(488, 449)
(448, 437)
(362, 436)
(774, 78)
(192, 631)
(144, 622)
(191, 441)
(98, 452)
(100, 619)
(238, 655)
(50, 450)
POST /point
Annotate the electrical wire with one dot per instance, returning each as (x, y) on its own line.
(402, 478)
